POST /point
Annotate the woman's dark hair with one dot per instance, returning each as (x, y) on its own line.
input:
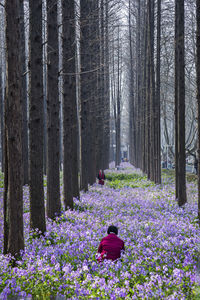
(113, 229)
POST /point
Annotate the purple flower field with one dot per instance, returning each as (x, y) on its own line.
(162, 242)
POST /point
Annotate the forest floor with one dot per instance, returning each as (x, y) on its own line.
(162, 244)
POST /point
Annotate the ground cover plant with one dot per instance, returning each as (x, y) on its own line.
(134, 180)
(162, 245)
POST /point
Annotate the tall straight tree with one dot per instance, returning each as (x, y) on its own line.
(118, 104)
(99, 97)
(1, 113)
(198, 93)
(53, 120)
(152, 86)
(70, 161)
(143, 92)
(147, 97)
(93, 46)
(13, 194)
(138, 87)
(180, 102)
(36, 118)
(2, 67)
(24, 98)
(102, 82)
(107, 88)
(157, 100)
(131, 84)
(85, 89)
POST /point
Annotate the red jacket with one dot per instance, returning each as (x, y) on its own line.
(101, 177)
(110, 247)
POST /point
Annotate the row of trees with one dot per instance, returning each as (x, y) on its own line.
(145, 93)
(68, 104)
(147, 64)
(73, 67)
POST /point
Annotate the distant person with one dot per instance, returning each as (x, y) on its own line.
(196, 165)
(111, 246)
(101, 176)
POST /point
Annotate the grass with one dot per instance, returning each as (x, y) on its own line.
(118, 181)
(171, 174)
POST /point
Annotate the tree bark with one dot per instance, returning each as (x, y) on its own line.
(176, 100)
(198, 93)
(13, 127)
(1, 117)
(157, 99)
(24, 99)
(118, 109)
(131, 97)
(53, 122)
(107, 88)
(36, 118)
(70, 167)
(85, 90)
(182, 199)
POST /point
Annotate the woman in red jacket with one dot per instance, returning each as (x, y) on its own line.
(111, 246)
(101, 177)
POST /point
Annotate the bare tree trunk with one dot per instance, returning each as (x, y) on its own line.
(148, 145)
(53, 106)
(198, 93)
(2, 92)
(85, 90)
(107, 88)
(36, 118)
(24, 99)
(118, 110)
(182, 198)
(157, 99)
(13, 127)
(138, 88)
(44, 38)
(131, 97)
(5, 193)
(1, 118)
(69, 103)
(176, 101)
(143, 93)
(94, 98)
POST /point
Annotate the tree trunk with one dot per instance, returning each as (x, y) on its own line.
(85, 90)
(182, 199)
(44, 38)
(94, 98)
(157, 99)
(143, 93)
(131, 97)
(176, 100)
(13, 127)
(118, 110)
(138, 88)
(100, 90)
(148, 146)
(53, 122)
(198, 93)
(5, 192)
(24, 99)
(107, 88)
(36, 118)
(69, 104)
(1, 117)
(2, 92)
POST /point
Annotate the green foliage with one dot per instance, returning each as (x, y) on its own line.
(170, 174)
(191, 177)
(118, 181)
(1, 180)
